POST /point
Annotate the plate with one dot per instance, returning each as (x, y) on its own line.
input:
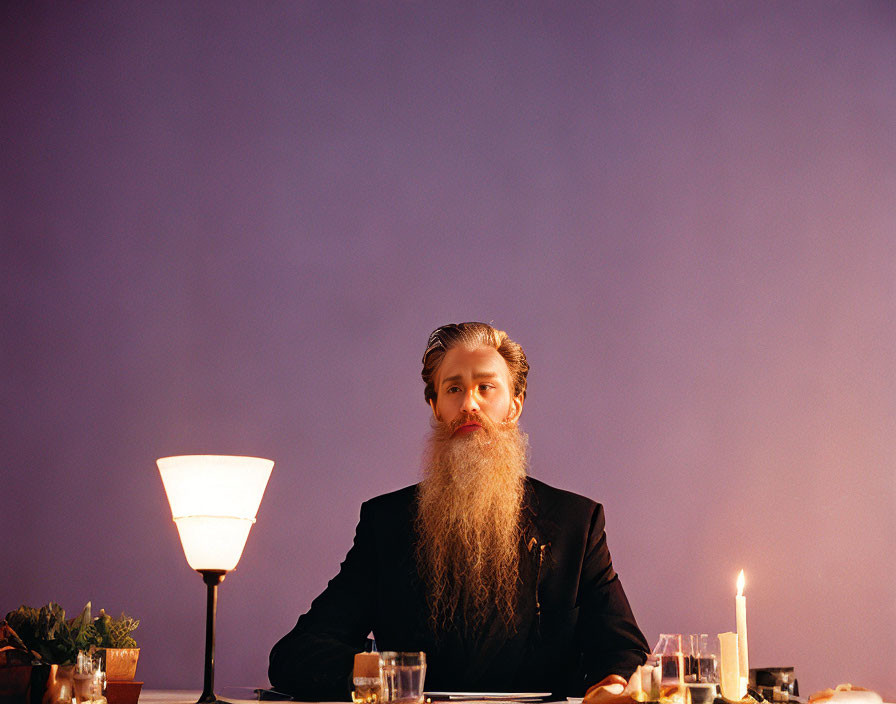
(488, 696)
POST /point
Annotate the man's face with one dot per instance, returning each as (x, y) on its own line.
(471, 381)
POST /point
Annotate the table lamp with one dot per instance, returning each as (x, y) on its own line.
(214, 499)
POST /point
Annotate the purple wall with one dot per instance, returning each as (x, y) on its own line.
(229, 228)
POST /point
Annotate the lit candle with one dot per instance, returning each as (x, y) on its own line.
(741, 609)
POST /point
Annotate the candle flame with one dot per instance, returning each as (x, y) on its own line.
(740, 583)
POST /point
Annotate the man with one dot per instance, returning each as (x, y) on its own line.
(504, 582)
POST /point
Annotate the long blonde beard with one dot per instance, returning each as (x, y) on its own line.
(468, 522)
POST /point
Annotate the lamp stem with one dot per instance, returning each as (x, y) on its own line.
(212, 579)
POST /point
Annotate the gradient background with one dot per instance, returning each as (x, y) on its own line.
(230, 227)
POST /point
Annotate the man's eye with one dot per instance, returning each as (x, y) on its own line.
(485, 387)
(453, 389)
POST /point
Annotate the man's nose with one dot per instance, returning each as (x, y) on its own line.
(470, 403)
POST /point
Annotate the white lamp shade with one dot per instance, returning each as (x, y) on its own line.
(214, 499)
(213, 542)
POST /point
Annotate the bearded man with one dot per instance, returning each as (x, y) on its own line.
(504, 582)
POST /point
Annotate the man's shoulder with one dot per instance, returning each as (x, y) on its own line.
(551, 500)
(392, 500)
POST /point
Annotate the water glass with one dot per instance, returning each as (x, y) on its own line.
(704, 656)
(402, 677)
(671, 658)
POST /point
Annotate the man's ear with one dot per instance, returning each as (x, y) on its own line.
(516, 409)
(432, 405)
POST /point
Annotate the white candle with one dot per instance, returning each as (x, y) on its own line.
(740, 602)
(732, 684)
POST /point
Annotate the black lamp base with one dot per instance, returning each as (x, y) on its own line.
(212, 579)
(211, 699)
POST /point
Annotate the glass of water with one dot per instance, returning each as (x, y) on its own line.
(670, 657)
(705, 659)
(402, 677)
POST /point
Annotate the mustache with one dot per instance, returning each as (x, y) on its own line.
(466, 417)
(446, 429)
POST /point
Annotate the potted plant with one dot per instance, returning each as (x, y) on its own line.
(54, 643)
(48, 644)
(119, 648)
(15, 665)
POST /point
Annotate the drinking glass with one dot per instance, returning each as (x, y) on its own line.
(402, 677)
(671, 658)
(690, 648)
(704, 655)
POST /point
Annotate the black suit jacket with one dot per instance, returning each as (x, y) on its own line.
(574, 623)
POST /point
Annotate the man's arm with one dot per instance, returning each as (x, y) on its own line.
(612, 643)
(314, 660)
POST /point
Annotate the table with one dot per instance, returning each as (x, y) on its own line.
(234, 695)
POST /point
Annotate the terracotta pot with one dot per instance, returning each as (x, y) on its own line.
(121, 663)
(122, 692)
(14, 682)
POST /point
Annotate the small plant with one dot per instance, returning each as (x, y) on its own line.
(56, 641)
(47, 633)
(115, 632)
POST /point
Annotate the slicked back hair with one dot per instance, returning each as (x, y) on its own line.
(472, 335)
